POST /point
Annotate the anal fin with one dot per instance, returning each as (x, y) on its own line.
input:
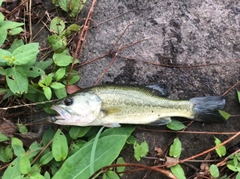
(160, 121)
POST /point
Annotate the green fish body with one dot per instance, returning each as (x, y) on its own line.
(112, 105)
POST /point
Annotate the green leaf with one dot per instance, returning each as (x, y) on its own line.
(60, 73)
(73, 79)
(178, 171)
(15, 31)
(24, 163)
(238, 176)
(62, 60)
(46, 158)
(10, 24)
(120, 170)
(5, 57)
(47, 92)
(17, 146)
(77, 132)
(214, 171)
(221, 151)
(232, 166)
(13, 170)
(176, 148)
(26, 54)
(59, 146)
(22, 129)
(58, 43)
(175, 125)
(75, 6)
(48, 79)
(33, 71)
(6, 153)
(224, 114)
(17, 80)
(3, 137)
(34, 149)
(47, 136)
(3, 35)
(72, 27)
(63, 4)
(238, 94)
(60, 93)
(44, 64)
(57, 25)
(16, 43)
(110, 175)
(76, 145)
(57, 85)
(108, 148)
(140, 150)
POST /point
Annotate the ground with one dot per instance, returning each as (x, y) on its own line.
(191, 46)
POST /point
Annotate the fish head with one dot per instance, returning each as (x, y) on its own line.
(79, 109)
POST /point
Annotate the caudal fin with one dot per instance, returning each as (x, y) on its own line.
(206, 109)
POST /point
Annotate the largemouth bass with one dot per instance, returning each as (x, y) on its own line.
(112, 105)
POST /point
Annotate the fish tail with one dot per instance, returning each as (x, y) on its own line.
(206, 109)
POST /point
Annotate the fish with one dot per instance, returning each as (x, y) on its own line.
(113, 105)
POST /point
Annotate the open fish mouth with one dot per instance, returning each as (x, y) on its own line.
(63, 114)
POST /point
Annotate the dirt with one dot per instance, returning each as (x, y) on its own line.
(196, 45)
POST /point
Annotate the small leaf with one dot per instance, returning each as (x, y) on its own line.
(221, 151)
(110, 175)
(57, 25)
(59, 146)
(5, 57)
(25, 54)
(178, 171)
(3, 35)
(57, 43)
(46, 158)
(57, 85)
(3, 137)
(10, 24)
(15, 31)
(224, 114)
(16, 43)
(60, 93)
(44, 64)
(238, 94)
(61, 59)
(25, 166)
(214, 171)
(120, 170)
(77, 132)
(60, 73)
(73, 79)
(47, 92)
(175, 125)
(238, 175)
(17, 146)
(33, 71)
(47, 136)
(48, 79)
(6, 153)
(140, 150)
(175, 148)
(76, 145)
(17, 80)
(22, 129)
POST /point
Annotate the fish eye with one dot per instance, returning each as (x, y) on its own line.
(53, 119)
(68, 101)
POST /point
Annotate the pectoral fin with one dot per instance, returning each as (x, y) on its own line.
(161, 121)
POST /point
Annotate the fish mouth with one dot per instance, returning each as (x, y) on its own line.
(63, 114)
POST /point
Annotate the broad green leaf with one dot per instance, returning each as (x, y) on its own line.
(59, 146)
(58, 43)
(76, 145)
(57, 85)
(5, 57)
(61, 59)
(119, 130)
(46, 158)
(3, 35)
(24, 163)
(22, 129)
(13, 170)
(77, 132)
(178, 171)
(16, 43)
(176, 148)
(36, 175)
(6, 154)
(33, 71)
(238, 176)
(48, 79)
(140, 150)
(47, 136)
(17, 146)
(175, 125)
(238, 94)
(214, 171)
(47, 92)
(3, 137)
(108, 148)
(44, 64)
(221, 151)
(47, 175)
(60, 93)
(17, 80)
(120, 170)
(15, 31)
(224, 114)
(110, 175)
(25, 54)
(60, 73)
(10, 24)
(57, 25)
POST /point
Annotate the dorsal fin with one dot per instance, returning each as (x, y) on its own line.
(160, 89)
